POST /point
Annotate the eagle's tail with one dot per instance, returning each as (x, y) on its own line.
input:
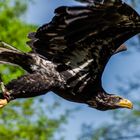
(10, 55)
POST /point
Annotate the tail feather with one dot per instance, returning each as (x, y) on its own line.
(9, 47)
(10, 55)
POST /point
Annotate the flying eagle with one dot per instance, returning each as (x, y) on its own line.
(69, 54)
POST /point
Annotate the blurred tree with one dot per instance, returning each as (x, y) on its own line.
(22, 120)
(12, 30)
(124, 126)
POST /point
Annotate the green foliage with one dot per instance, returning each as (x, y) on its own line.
(27, 121)
(24, 119)
(13, 31)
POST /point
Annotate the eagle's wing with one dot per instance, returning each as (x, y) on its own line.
(83, 38)
(90, 1)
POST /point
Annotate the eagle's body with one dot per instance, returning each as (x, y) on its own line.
(69, 54)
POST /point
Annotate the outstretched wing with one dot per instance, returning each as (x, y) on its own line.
(90, 1)
(83, 38)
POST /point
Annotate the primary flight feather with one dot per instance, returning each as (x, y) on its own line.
(69, 54)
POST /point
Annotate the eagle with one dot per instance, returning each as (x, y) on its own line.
(70, 52)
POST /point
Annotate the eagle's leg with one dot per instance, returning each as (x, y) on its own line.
(26, 86)
(4, 95)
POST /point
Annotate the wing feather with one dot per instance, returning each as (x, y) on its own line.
(82, 33)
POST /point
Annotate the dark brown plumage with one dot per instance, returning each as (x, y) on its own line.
(69, 54)
(89, 1)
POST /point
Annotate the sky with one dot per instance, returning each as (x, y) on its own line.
(120, 65)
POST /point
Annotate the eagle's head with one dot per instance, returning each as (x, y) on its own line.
(109, 101)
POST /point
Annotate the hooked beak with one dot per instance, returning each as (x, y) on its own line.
(124, 103)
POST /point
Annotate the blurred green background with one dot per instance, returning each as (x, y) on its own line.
(52, 119)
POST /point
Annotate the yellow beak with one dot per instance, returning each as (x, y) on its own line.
(124, 103)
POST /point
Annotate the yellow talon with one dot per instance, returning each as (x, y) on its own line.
(3, 102)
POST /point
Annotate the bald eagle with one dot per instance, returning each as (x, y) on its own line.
(69, 54)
